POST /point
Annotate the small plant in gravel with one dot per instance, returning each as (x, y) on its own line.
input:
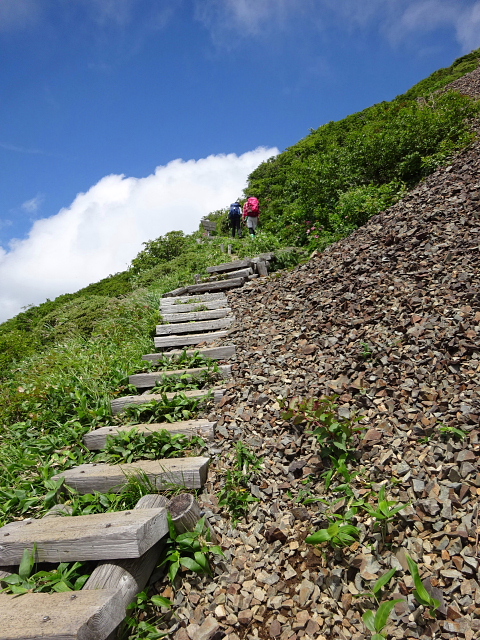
(376, 591)
(66, 577)
(376, 622)
(339, 534)
(235, 495)
(335, 433)
(452, 432)
(191, 550)
(420, 592)
(141, 616)
(385, 511)
(129, 446)
(166, 410)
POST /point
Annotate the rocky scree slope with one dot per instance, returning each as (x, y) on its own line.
(389, 320)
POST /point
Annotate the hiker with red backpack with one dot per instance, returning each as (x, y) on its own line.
(251, 213)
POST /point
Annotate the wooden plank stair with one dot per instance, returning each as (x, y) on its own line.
(193, 327)
(146, 380)
(120, 404)
(99, 536)
(187, 340)
(213, 314)
(168, 307)
(215, 353)
(97, 439)
(190, 473)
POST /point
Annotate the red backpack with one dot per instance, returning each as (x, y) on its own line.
(253, 207)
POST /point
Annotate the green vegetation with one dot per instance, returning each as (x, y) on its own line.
(421, 594)
(129, 446)
(63, 361)
(235, 496)
(66, 577)
(143, 617)
(334, 433)
(336, 178)
(337, 535)
(191, 549)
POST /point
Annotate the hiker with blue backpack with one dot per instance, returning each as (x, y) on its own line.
(251, 212)
(235, 216)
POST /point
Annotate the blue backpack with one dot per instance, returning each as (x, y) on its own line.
(235, 210)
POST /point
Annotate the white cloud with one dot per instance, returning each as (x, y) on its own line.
(103, 229)
(398, 20)
(17, 14)
(32, 205)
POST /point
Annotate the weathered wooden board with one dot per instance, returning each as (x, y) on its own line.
(190, 473)
(99, 536)
(262, 269)
(175, 292)
(215, 353)
(216, 286)
(230, 266)
(241, 273)
(96, 440)
(188, 308)
(214, 314)
(194, 327)
(146, 380)
(120, 404)
(185, 340)
(83, 615)
(190, 299)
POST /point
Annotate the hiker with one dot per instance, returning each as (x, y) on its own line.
(251, 212)
(235, 216)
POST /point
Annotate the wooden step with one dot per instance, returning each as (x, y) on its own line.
(241, 273)
(188, 308)
(213, 314)
(82, 615)
(99, 536)
(97, 439)
(120, 404)
(215, 353)
(186, 340)
(190, 473)
(146, 380)
(194, 327)
(191, 299)
(216, 286)
(230, 266)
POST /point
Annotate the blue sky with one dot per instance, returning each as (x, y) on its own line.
(123, 119)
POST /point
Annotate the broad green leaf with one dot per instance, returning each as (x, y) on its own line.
(383, 580)
(173, 570)
(383, 613)
(61, 586)
(378, 636)
(421, 593)
(369, 620)
(318, 537)
(216, 550)
(79, 582)
(190, 564)
(27, 563)
(160, 601)
(202, 560)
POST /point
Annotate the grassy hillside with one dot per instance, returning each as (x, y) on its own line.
(61, 362)
(341, 174)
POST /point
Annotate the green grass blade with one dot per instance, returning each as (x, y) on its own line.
(383, 613)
